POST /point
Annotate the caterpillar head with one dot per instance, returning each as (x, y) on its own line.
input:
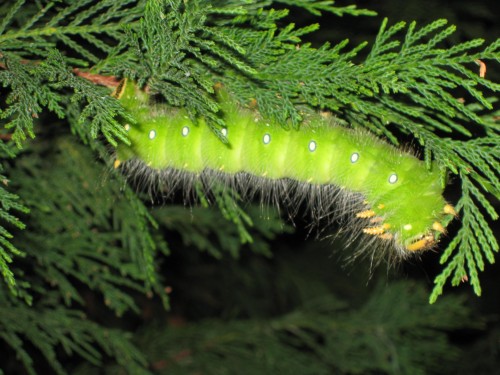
(411, 212)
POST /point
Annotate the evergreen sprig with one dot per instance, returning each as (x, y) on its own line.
(37, 87)
(174, 48)
(406, 83)
(85, 237)
(474, 243)
(375, 92)
(49, 329)
(102, 238)
(87, 28)
(316, 7)
(200, 228)
(29, 44)
(89, 233)
(324, 335)
(407, 86)
(9, 202)
(79, 237)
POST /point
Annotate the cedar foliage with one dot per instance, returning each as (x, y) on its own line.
(74, 235)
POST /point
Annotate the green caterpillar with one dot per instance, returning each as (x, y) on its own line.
(403, 200)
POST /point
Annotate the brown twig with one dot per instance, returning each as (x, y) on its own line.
(98, 79)
(6, 137)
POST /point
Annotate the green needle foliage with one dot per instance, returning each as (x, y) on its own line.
(76, 245)
(78, 238)
(92, 243)
(70, 226)
(375, 339)
(406, 83)
(49, 328)
(9, 202)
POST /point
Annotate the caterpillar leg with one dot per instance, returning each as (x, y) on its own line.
(423, 244)
(438, 227)
(365, 214)
(449, 210)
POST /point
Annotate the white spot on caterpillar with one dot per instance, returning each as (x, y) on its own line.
(393, 178)
(266, 139)
(127, 127)
(224, 132)
(312, 146)
(185, 131)
(152, 134)
(354, 157)
(407, 227)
